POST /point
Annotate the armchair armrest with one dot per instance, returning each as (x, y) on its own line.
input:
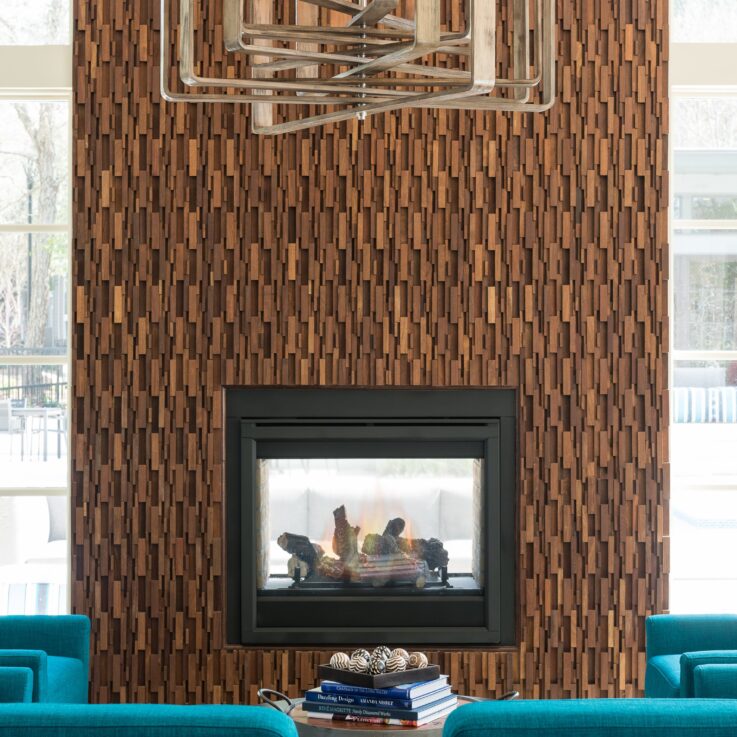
(67, 636)
(35, 661)
(690, 661)
(715, 681)
(16, 685)
(670, 634)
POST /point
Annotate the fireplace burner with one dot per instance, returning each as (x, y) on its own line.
(362, 515)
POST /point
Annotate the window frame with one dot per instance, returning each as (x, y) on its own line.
(695, 70)
(45, 74)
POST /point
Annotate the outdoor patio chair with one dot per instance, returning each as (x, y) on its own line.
(9, 424)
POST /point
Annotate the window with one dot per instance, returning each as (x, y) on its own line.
(703, 21)
(704, 306)
(35, 23)
(35, 237)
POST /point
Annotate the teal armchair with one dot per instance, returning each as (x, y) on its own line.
(16, 685)
(55, 649)
(676, 644)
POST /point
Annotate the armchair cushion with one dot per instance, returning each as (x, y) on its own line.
(16, 685)
(36, 661)
(689, 661)
(67, 681)
(663, 676)
(715, 681)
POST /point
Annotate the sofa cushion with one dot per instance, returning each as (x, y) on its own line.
(36, 660)
(715, 681)
(664, 676)
(595, 718)
(66, 681)
(133, 720)
(16, 685)
(689, 661)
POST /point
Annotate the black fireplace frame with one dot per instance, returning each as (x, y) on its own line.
(269, 422)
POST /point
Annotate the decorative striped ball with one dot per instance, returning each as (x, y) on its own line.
(417, 660)
(340, 661)
(401, 652)
(376, 666)
(361, 653)
(382, 652)
(358, 664)
(396, 663)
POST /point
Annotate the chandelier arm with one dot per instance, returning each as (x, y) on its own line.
(351, 8)
(375, 12)
(242, 99)
(521, 45)
(341, 33)
(294, 63)
(191, 79)
(307, 14)
(262, 114)
(548, 77)
(296, 56)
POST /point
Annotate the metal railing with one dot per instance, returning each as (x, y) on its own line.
(35, 386)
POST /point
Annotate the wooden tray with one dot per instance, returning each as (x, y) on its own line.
(383, 680)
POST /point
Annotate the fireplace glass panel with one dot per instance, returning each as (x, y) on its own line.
(419, 519)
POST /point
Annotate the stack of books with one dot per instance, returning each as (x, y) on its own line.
(409, 705)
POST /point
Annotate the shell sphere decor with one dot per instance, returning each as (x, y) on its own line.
(340, 661)
(358, 664)
(382, 651)
(417, 660)
(395, 664)
(382, 660)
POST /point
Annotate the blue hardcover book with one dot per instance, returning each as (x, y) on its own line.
(377, 711)
(317, 695)
(388, 722)
(405, 691)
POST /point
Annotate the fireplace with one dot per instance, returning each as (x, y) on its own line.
(370, 515)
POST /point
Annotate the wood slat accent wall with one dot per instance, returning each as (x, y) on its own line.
(423, 248)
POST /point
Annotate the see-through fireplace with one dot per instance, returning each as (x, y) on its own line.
(370, 515)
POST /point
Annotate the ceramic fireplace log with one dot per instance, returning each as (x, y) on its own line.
(332, 568)
(394, 527)
(345, 537)
(386, 543)
(301, 546)
(374, 544)
(432, 551)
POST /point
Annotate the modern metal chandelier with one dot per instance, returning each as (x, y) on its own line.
(335, 60)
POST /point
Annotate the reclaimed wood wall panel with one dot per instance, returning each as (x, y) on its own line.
(421, 248)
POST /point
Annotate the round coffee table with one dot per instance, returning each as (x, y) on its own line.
(308, 726)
